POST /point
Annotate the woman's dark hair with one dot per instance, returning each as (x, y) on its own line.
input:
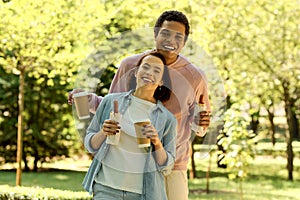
(172, 15)
(163, 92)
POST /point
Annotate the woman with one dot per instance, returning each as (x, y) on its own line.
(125, 171)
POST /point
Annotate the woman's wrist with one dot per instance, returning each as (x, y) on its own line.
(158, 146)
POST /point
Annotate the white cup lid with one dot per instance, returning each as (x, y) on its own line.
(80, 94)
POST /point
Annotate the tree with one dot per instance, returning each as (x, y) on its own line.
(274, 51)
(255, 47)
(42, 42)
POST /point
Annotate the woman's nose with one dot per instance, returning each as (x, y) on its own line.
(149, 72)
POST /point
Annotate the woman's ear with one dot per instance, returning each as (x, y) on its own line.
(161, 83)
(135, 71)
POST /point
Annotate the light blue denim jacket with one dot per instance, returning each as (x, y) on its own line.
(166, 126)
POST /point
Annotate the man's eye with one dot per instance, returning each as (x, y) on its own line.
(165, 34)
(179, 38)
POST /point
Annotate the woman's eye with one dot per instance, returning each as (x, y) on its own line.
(145, 67)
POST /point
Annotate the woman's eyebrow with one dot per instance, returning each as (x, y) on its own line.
(156, 67)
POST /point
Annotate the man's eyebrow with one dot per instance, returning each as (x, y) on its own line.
(180, 34)
(168, 30)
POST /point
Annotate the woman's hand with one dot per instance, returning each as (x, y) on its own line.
(160, 153)
(150, 132)
(110, 127)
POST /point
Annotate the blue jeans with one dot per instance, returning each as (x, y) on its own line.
(102, 192)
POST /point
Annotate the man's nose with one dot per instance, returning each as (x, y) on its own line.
(171, 38)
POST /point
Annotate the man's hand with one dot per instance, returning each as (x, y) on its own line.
(202, 119)
(71, 93)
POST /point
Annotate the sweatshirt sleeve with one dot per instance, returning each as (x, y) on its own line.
(203, 89)
(94, 102)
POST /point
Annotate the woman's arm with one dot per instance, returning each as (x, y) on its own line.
(94, 137)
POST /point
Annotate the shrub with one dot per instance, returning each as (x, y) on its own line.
(36, 193)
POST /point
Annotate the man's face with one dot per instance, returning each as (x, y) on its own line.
(170, 40)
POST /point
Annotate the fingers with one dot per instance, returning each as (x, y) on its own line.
(149, 131)
(203, 119)
(70, 97)
(110, 127)
(71, 93)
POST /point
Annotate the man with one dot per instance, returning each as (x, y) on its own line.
(188, 84)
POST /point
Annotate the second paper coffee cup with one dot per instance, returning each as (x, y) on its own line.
(82, 105)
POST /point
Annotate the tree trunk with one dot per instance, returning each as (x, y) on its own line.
(289, 131)
(290, 154)
(271, 120)
(254, 121)
(208, 173)
(20, 127)
(26, 167)
(192, 171)
(290, 157)
(35, 163)
(294, 121)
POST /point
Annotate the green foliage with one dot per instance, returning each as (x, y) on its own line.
(238, 144)
(8, 119)
(31, 193)
(47, 40)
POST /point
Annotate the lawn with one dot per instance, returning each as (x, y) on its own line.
(267, 179)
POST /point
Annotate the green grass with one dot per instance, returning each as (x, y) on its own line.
(57, 179)
(267, 179)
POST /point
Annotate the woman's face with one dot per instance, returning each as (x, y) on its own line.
(150, 73)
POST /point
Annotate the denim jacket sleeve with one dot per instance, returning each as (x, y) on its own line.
(166, 125)
(101, 114)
